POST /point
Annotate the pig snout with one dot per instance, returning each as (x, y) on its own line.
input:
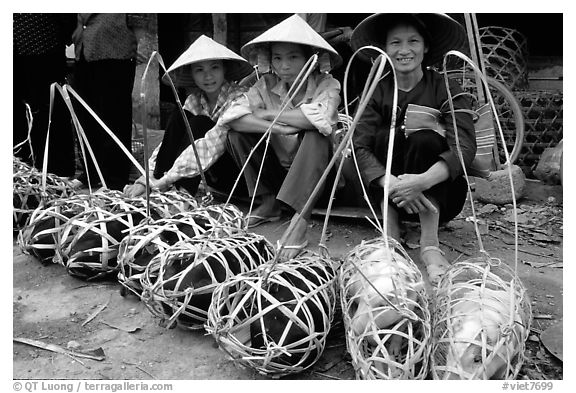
(466, 356)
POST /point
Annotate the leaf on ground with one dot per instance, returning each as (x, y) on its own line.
(125, 328)
(541, 237)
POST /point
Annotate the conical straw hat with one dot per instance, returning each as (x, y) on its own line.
(294, 30)
(204, 48)
(444, 34)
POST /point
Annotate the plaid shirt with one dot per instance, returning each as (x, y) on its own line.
(212, 146)
(319, 105)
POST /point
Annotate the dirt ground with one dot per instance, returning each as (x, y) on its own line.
(52, 307)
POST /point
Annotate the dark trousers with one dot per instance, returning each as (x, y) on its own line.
(416, 154)
(106, 86)
(220, 176)
(294, 185)
(33, 76)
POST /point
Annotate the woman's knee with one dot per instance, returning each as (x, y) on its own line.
(427, 141)
(317, 144)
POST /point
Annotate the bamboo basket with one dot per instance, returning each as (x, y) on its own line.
(177, 284)
(385, 311)
(505, 51)
(28, 192)
(275, 319)
(148, 239)
(482, 313)
(166, 204)
(42, 234)
(544, 124)
(92, 238)
(482, 318)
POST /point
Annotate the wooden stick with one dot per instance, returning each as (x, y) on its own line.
(59, 349)
(95, 313)
(139, 368)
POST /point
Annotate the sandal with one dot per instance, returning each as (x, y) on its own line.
(255, 220)
(435, 270)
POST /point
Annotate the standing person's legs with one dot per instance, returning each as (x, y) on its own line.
(85, 84)
(116, 81)
(33, 88)
(61, 157)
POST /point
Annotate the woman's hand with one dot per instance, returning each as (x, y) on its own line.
(134, 190)
(407, 188)
(407, 193)
(420, 204)
(139, 187)
(161, 184)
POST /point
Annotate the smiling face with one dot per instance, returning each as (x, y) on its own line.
(209, 75)
(406, 47)
(287, 60)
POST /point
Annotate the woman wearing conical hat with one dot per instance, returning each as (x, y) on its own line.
(427, 183)
(300, 142)
(208, 70)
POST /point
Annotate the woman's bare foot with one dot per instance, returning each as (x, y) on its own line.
(295, 241)
(436, 264)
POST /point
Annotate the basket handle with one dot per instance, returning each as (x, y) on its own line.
(374, 77)
(460, 156)
(79, 130)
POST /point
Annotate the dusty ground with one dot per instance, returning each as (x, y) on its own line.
(50, 306)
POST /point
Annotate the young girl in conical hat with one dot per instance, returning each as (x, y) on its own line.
(300, 141)
(427, 183)
(209, 71)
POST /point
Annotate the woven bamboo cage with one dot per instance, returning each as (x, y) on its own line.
(385, 311)
(275, 319)
(148, 239)
(92, 238)
(505, 51)
(28, 192)
(42, 233)
(167, 203)
(178, 283)
(482, 318)
(543, 121)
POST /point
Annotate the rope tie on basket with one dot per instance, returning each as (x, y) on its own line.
(274, 350)
(490, 100)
